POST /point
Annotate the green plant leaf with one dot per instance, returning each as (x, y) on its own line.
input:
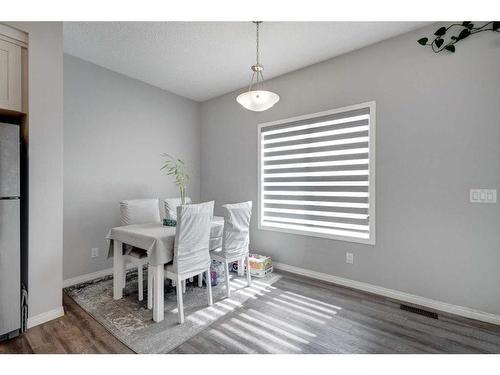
(422, 41)
(439, 42)
(496, 25)
(450, 48)
(466, 23)
(441, 31)
(463, 34)
(175, 168)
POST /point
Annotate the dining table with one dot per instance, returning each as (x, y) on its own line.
(158, 241)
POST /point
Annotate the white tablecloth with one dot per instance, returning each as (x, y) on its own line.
(158, 240)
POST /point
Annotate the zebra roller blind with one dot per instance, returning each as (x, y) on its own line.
(317, 174)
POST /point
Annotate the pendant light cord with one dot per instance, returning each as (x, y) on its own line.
(257, 72)
(258, 23)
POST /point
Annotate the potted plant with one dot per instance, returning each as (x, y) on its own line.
(177, 168)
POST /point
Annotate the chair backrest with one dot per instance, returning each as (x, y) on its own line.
(171, 205)
(192, 236)
(236, 236)
(140, 211)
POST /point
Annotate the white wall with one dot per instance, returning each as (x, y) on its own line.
(438, 135)
(45, 168)
(115, 129)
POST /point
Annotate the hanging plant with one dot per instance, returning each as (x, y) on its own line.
(444, 40)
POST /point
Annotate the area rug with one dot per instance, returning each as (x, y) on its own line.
(131, 322)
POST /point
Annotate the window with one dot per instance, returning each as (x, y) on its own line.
(317, 174)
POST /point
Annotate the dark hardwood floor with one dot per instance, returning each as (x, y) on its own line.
(296, 315)
(302, 315)
(75, 332)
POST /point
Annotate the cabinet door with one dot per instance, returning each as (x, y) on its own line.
(10, 76)
(9, 161)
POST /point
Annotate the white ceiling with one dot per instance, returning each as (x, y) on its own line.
(202, 60)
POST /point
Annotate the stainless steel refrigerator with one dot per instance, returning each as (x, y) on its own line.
(10, 228)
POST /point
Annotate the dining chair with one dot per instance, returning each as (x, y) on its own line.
(139, 211)
(171, 205)
(235, 239)
(191, 254)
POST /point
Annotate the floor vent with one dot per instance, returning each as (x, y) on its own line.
(418, 311)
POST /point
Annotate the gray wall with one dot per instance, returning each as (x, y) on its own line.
(438, 135)
(45, 55)
(115, 129)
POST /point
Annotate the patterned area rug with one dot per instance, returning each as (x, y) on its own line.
(131, 322)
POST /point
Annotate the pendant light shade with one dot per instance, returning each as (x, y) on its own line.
(257, 99)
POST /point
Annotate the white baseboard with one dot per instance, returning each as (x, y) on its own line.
(87, 277)
(466, 312)
(91, 276)
(45, 317)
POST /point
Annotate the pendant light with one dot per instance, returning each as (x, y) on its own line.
(256, 98)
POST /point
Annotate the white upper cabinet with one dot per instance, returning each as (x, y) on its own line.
(13, 69)
(10, 76)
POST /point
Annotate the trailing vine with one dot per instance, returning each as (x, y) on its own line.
(460, 31)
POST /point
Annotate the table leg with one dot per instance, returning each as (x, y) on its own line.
(118, 264)
(150, 287)
(158, 313)
(140, 277)
(209, 289)
(180, 305)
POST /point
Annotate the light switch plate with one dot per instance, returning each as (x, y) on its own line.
(94, 252)
(483, 195)
(349, 258)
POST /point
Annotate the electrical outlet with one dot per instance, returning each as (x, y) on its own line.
(349, 258)
(483, 195)
(94, 252)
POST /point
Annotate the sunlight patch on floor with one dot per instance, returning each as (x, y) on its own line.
(297, 313)
(209, 315)
(278, 330)
(195, 319)
(263, 284)
(249, 295)
(245, 336)
(309, 304)
(281, 323)
(262, 333)
(224, 305)
(302, 308)
(232, 302)
(314, 300)
(231, 341)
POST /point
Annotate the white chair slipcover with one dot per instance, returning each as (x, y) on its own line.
(236, 235)
(191, 248)
(139, 211)
(192, 236)
(171, 205)
(235, 239)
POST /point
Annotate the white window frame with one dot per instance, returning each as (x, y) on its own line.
(371, 174)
